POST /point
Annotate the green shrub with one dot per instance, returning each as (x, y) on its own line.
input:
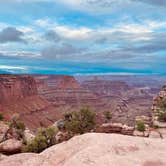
(44, 138)
(17, 125)
(162, 110)
(162, 104)
(162, 116)
(20, 125)
(107, 116)
(1, 117)
(81, 122)
(141, 126)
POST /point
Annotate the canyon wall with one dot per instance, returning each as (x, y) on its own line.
(14, 87)
(18, 94)
(66, 91)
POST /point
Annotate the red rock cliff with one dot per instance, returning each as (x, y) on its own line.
(14, 87)
(18, 94)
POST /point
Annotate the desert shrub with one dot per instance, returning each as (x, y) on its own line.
(1, 117)
(162, 116)
(20, 125)
(140, 126)
(81, 122)
(162, 104)
(44, 138)
(162, 110)
(17, 125)
(107, 116)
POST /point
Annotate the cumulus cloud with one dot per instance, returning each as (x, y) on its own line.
(11, 34)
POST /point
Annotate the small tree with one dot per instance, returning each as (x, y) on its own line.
(81, 122)
(45, 138)
(107, 116)
(141, 126)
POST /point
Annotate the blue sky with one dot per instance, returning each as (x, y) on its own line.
(83, 36)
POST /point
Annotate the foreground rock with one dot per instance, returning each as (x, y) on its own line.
(10, 146)
(97, 150)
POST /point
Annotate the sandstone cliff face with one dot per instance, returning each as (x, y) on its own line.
(97, 150)
(15, 87)
(18, 94)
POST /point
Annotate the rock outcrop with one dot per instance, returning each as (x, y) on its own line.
(115, 128)
(97, 150)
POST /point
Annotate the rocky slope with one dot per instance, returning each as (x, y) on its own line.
(96, 150)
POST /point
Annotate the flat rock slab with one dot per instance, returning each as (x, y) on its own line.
(98, 150)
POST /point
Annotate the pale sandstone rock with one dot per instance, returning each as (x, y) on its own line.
(2, 157)
(16, 160)
(28, 135)
(10, 146)
(98, 150)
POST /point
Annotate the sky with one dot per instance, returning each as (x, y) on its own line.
(83, 37)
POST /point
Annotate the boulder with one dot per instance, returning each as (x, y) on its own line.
(10, 146)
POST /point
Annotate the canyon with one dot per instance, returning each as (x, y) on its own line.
(40, 100)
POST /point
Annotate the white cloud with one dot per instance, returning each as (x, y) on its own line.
(25, 29)
(74, 33)
(45, 23)
(12, 67)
